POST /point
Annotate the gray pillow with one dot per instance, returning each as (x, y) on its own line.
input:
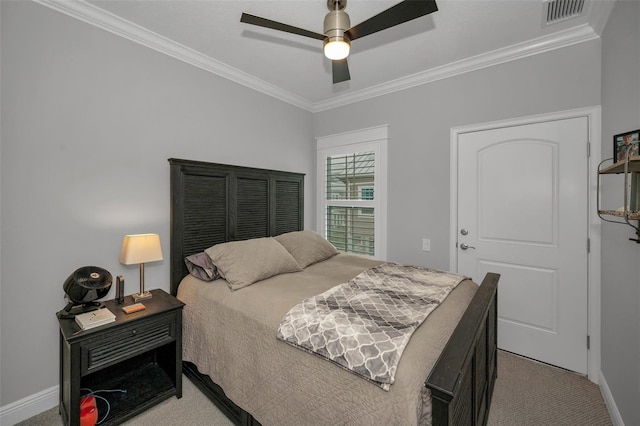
(201, 266)
(243, 263)
(307, 247)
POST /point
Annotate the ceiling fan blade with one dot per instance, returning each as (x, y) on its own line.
(340, 70)
(402, 12)
(268, 23)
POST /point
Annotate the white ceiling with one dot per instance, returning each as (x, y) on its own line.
(462, 35)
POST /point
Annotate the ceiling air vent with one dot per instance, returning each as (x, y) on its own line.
(560, 10)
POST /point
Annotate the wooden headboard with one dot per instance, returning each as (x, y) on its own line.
(215, 203)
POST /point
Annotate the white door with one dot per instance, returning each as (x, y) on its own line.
(523, 213)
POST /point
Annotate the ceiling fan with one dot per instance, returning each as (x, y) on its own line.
(338, 33)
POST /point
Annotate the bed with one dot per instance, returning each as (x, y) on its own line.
(252, 377)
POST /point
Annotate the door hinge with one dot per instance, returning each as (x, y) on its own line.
(588, 245)
(588, 342)
(588, 149)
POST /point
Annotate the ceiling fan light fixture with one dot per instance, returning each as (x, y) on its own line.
(337, 44)
(336, 48)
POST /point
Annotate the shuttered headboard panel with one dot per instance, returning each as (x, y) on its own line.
(215, 203)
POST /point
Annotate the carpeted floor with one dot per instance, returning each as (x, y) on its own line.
(526, 393)
(529, 393)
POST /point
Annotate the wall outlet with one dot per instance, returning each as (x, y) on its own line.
(426, 244)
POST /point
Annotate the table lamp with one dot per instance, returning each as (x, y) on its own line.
(140, 248)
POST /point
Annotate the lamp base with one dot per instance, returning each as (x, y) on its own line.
(141, 296)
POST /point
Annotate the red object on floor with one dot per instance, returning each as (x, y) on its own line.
(88, 411)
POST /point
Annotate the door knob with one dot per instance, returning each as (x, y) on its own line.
(465, 246)
(464, 231)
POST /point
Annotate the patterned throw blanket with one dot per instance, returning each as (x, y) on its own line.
(365, 324)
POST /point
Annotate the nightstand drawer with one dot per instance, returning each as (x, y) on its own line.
(127, 341)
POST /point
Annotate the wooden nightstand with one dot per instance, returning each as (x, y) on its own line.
(140, 353)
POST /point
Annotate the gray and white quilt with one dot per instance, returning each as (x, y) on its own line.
(365, 324)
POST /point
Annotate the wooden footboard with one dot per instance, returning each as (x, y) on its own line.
(462, 380)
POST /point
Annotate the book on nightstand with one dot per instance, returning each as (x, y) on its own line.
(95, 318)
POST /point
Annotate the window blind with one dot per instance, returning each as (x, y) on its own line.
(350, 196)
(351, 229)
(348, 175)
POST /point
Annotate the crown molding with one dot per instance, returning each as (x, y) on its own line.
(514, 52)
(600, 11)
(93, 15)
(100, 18)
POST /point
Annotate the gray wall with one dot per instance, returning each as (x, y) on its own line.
(420, 120)
(88, 122)
(89, 119)
(620, 362)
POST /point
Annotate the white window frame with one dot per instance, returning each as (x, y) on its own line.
(374, 139)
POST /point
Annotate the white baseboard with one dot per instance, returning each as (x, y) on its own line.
(29, 406)
(49, 398)
(616, 418)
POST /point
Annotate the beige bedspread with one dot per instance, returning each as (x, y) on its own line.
(231, 336)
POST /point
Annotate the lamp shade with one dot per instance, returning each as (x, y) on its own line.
(140, 248)
(337, 49)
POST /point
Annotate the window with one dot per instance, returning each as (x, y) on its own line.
(351, 177)
(352, 191)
